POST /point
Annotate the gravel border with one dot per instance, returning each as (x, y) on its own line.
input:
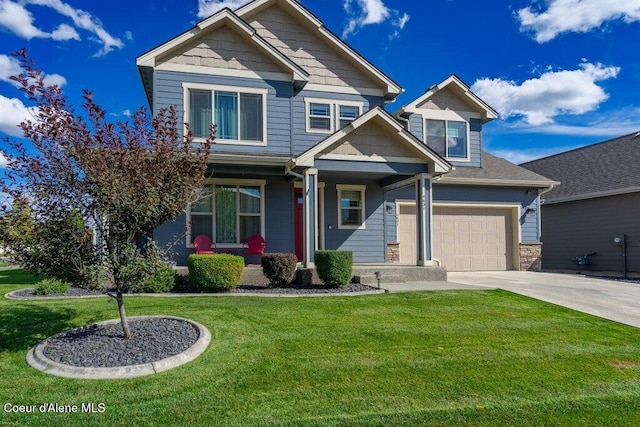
(38, 359)
(351, 289)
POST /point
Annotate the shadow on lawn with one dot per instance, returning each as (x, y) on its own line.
(17, 277)
(23, 326)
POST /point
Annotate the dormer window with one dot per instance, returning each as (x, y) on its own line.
(449, 134)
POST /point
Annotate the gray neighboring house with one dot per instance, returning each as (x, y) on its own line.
(598, 200)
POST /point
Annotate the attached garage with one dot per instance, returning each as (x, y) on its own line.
(465, 238)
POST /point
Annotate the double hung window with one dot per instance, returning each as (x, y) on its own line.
(351, 207)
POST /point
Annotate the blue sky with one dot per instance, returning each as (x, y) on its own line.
(561, 73)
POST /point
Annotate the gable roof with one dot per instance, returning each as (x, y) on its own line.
(497, 171)
(225, 17)
(393, 89)
(390, 124)
(460, 88)
(605, 168)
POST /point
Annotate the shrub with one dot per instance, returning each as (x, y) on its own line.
(51, 286)
(334, 267)
(218, 272)
(279, 268)
(162, 281)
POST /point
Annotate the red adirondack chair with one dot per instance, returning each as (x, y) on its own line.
(203, 245)
(254, 245)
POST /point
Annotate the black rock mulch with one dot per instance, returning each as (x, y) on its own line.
(103, 346)
(304, 289)
(72, 292)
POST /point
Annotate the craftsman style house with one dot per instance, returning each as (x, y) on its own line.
(307, 156)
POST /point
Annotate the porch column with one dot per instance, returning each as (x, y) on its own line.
(423, 218)
(310, 201)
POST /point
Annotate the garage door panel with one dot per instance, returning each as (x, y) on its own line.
(476, 238)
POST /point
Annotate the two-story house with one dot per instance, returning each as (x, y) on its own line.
(307, 156)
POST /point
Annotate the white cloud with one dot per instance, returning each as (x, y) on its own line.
(10, 66)
(14, 112)
(578, 16)
(552, 94)
(15, 17)
(370, 12)
(126, 113)
(522, 156)
(19, 20)
(3, 161)
(207, 8)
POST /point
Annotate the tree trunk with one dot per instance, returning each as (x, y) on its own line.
(123, 316)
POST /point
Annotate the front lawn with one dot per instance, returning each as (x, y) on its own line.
(429, 358)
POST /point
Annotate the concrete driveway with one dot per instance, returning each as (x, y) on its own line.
(617, 301)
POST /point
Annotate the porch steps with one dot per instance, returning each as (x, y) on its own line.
(398, 274)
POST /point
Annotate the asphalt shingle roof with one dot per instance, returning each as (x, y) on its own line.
(611, 165)
(499, 170)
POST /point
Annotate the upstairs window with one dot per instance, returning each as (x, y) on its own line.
(449, 134)
(238, 113)
(325, 116)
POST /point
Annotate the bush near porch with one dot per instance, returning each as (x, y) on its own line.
(335, 268)
(279, 268)
(219, 272)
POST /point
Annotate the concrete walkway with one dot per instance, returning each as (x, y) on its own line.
(617, 301)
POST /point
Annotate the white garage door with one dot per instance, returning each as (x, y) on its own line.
(472, 239)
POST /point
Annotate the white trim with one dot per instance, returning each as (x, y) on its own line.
(458, 119)
(347, 90)
(350, 187)
(319, 214)
(494, 182)
(516, 229)
(334, 114)
(459, 116)
(374, 158)
(212, 183)
(227, 72)
(246, 159)
(487, 113)
(187, 86)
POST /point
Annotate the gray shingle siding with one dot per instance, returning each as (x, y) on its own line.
(416, 126)
(168, 91)
(585, 226)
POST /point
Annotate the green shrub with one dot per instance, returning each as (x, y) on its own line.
(218, 272)
(51, 286)
(279, 268)
(162, 281)
(334, 267)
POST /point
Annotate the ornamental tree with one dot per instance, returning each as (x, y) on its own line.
(80, 176)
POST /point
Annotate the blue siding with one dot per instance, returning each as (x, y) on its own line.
(367, 245)
(302, 140)
(168, 91)
(279, 220)
(416, 126)
(409, 169)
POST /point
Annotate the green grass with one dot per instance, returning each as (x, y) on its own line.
(431, 358)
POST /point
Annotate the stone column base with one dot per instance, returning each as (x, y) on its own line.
(393, 252)
(530, 256)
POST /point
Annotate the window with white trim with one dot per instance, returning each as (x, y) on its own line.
(238, 113)
(351, 206)
(450, 134)
(228, 212)
(327, 116)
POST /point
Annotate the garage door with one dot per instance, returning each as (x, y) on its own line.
(472, 239)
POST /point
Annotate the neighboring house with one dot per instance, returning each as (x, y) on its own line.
(598, 200)
(307, 156)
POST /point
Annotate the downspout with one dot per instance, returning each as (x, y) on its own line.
(540, 193)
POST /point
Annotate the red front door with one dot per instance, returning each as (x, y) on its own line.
(298, 222)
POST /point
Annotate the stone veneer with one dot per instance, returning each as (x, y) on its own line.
(530, 256)
(393, 252)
